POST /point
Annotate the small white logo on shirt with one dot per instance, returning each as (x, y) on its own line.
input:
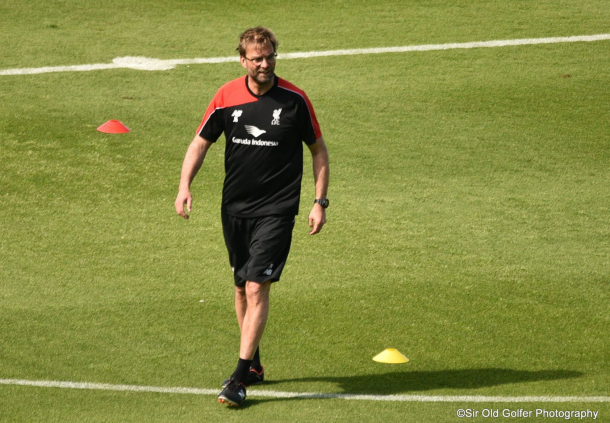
(276, 117)
(236, 115)
(254, 131)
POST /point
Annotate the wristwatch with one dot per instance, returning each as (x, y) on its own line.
(322, 201)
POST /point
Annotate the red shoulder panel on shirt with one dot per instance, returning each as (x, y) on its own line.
(233, 93)
(282, 83)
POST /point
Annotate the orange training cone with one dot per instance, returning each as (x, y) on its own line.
(113, 127)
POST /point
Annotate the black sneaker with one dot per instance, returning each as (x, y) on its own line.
(234, 394)
(254, 378)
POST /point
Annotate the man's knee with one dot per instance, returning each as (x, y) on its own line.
(257, 292)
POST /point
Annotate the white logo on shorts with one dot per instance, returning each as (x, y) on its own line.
(269, 270)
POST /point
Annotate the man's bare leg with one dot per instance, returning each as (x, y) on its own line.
(259, 297)
(241, 304)
(255, 318)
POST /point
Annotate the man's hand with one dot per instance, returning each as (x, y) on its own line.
(317, 219)
(184, 197)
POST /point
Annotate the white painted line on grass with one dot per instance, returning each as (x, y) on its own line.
(144, 63)
(310, 395)
(107, 387)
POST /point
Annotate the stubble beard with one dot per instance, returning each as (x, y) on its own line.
(263, 78)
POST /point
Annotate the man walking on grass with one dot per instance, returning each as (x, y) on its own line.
(265, 120)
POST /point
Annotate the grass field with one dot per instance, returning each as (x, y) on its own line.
(468, 228)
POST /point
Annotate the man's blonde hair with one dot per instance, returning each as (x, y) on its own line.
(259, 36)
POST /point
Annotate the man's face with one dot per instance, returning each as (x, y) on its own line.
(260, 62)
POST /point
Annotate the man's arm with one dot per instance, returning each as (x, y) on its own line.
(321, 171)
(191, 165)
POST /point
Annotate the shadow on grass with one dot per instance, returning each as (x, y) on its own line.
(407, 382)
(416, 382)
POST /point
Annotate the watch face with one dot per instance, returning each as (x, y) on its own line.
(323, 202)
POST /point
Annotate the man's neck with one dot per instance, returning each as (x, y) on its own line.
(258, 89)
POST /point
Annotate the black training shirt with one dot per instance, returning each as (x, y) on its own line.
(264, 151)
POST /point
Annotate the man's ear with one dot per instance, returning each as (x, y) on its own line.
(243, 62)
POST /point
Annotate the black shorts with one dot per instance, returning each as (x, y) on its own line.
(258, 247)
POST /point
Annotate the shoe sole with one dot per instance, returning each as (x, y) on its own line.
(228, 402)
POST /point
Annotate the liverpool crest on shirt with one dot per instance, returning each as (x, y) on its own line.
(276, 117)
